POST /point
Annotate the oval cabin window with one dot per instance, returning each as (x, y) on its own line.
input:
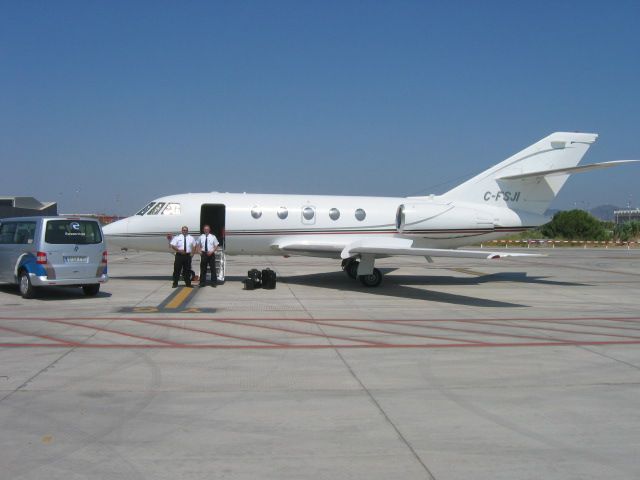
(256, 212)
(308, 213)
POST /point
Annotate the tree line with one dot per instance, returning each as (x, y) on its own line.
(581, 225)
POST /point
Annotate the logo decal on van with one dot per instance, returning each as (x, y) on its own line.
(75, 225)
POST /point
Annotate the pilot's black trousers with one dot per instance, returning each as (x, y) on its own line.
(182, 263)
(208, 261)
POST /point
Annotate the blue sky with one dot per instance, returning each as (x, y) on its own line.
(106, 105)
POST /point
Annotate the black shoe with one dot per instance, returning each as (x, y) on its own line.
(188, 285)
(214, 284)
(202, 284)
(175, 285)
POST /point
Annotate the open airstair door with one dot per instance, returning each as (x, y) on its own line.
(213, 214)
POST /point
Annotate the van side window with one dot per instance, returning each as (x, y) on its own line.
(25, 231)
(7, 232)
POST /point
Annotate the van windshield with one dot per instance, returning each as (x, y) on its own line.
(83, 232)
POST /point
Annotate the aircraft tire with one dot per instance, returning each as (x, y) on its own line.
(372, 280)
(352, 269)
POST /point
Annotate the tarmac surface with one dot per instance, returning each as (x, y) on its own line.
(511, 369)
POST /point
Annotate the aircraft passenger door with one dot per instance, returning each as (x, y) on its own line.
(213, 214)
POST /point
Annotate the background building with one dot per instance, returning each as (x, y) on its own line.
(622, 216)
(26, 207)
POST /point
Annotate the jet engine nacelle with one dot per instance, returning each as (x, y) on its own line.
(421, 217)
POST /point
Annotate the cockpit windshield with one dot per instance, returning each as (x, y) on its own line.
(161, 208)
(146, 209)
(156, 209)
(172, 209)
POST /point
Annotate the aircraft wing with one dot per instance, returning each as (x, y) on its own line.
(386, 247)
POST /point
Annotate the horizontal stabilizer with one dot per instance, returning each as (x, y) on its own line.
(568, 170)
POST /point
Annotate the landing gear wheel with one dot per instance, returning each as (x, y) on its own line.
(372, 280)
(351, 268)
(91, 290)
(24, 283)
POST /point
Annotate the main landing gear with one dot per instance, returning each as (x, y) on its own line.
(355, 268)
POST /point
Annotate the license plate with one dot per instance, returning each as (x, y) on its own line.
(76, 259)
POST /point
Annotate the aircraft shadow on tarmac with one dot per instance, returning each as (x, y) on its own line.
(55, 293)
(401, 286)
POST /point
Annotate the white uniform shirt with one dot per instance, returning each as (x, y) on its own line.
(179, 242)
(210, 240)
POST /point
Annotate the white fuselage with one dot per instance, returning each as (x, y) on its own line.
(254, 223)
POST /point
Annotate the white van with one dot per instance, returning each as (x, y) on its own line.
(44, 251)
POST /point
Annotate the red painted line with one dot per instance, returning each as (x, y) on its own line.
(561, 330)
(388, 332)
(593, 325)
(44, 337)
(477, 332)
(108, 330)
(210, 332)
(192, 317)
(323, 346)
(282, 329)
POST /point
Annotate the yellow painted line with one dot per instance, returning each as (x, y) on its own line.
(179, 298)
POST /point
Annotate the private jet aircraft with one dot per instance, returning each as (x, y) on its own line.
(510, 197)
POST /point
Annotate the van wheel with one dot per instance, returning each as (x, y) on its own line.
(91, 290)
(24, 284)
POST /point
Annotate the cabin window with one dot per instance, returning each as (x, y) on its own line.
(157, 209)
(308, 213)
(283, 213)
(360, 214)
(146, 209)
(256, 212)
(172, 209)
(334, 214)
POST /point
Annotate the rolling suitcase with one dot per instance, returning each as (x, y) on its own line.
(268, 279)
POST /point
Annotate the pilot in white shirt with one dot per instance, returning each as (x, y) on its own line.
(207, 245)
(183, 244)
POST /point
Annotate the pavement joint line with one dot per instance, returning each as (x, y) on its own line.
(62, 343)
(211, 332)
(381, 410)
(427, 346)
(349, 339)
(479, 332)
(630, 319)
(388, 332)
(629, 364)
(117, 332)
(37, 374)
(549, 329)
(595, 325)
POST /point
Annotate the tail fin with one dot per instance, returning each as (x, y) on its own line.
(556, 154)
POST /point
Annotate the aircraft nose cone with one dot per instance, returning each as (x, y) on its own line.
(115, 232)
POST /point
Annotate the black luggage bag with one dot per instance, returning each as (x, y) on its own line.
(268, 279)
